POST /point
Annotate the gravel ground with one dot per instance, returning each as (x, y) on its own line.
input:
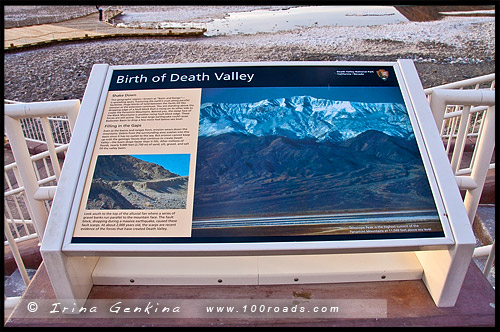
(198, 14)
(16, 16)
(447, 50)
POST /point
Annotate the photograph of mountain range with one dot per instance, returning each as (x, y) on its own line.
(139, 182)
(303, 155)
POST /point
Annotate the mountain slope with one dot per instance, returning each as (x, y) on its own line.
(125, 182)
(239, 175)
(383, 147)
(122, 167)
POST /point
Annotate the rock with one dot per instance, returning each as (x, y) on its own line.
(14, 284)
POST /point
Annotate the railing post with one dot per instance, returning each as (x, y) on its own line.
(15, 251)
(460, 140)
(485, 149)
(51, 147)
(490, 260)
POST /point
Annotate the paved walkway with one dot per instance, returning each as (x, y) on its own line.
(82, 28)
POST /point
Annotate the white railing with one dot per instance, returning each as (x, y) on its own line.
(16, 213)
(16, 209)
(38, 189)
(30, 182)
(465, 113)
(33, 129)
(461, 125)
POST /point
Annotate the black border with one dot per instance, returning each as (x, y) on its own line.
(265, 76)
(254, 239)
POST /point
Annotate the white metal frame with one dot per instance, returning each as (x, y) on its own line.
(246, 248)
(442, 268)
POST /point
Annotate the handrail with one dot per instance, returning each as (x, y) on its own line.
(465, 83)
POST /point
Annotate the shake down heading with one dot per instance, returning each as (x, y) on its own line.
(174, 77)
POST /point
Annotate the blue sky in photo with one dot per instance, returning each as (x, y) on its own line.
(175, 163)
(355, 94)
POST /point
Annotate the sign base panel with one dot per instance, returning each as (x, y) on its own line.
(255, 270)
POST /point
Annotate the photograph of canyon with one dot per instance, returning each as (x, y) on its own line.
(130, 182)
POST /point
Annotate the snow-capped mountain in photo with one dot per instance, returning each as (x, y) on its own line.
(306, 155)
(305, 117)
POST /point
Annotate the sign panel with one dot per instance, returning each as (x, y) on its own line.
(258, 153)
(141, 177)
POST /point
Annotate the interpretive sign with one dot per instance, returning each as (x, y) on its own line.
(253, 174)
(247, 153)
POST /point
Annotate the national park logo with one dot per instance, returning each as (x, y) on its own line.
(383, 74)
